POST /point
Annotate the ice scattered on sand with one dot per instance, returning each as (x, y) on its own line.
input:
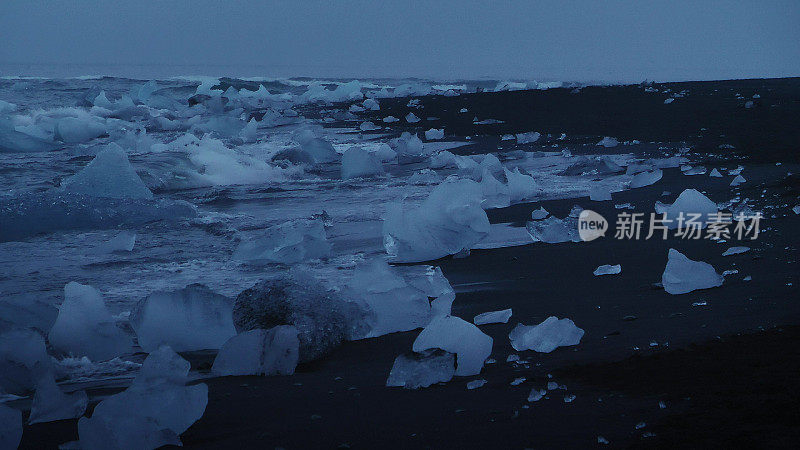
(569, 398)
(553, 230)
(412, 118)
(521, 187)
(109, 174)
(449, 221)
(539, 214)
(368, 126)
(747, 278)
(51, 404)
(493, 317)
(320, 150)
(10, 427)
(689, 202)
(359, 163)
(371, 104)
(552, 386)
(259, 352)
(85, 327)
(738, 170)
(455, 335)
(122, 242)
(643, 179)
(14, 141)
(599, 193)
(23, 358)
(738, 180)
(684, 275)
(390, 119)
(623, 206)
(287, 243)
(547, 336)
(601, 439)
(536, 395)
(475, 384)
(735, 251)
(192, 318)
(528, 138)
(669, 100)
(419, 370)
(153, 411)
(607, 269)
(425, 176)
(697, 170)
(517, 381)
(715, 173)
(608, 142)
(434, 134)
(796, 209)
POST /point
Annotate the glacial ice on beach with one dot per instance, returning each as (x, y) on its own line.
(495, 193)
(493, 317)
(553, 230)
(359, 163)
(434, 134)
(547, 336)
(608, 142)
(539, 214)
(419, 370)
(683, 275)
(109, 174)
(412, 118)
(409, 148)
(10, 427)
(599, 193)
(607, 269)
(643, 179)
(715, 173)
(23, 358)
(122, 242)
(521, 187)
(259, 352)
(455, 335)
(287, 243)
(735, 251)
(320, 150)
(738, 180)
(73, 130)
(371, 104)
(450, 220)
(528, 138)
(192, 318)
(346, 92)
(368, 126)
(84, 326)
(51, 404)
(394, 304)
(14, 141)
(153, 411)
(690, 201)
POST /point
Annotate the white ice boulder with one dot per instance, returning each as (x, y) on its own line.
(73, 130)
(419, 370)
(412, 118)
(493, 317)
(189, 319)
(109, 174)
(521, 187)
(528, 138)
(608, 142)
(319, 149)
(495, 193)
(287, 243)
(607, 269)
(689, 203)
(10, 427)
(359, 163)
(450, 220)
(643, 179)
(735, 251)
(434, 134)
(85, 327)
(409, 148)
(23, 358)
(547, 336)
(51, 404)
(684, 275)
(259, 352)
(152, 412)
(455, 335)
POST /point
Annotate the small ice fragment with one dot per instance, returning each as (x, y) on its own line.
(715, 173)
(552, 385)
(434, 134)
(569, 398)
(643, 179)
(736, 171)
(493, 317)
(287, 243)
(359, 163)
(601, 439)
(390, 119)
(455, 335)
(683, 275)
(512, 358)
(640, 425)
(122, 242)
(475, 384)
(700, 303)
(368, 126)
(735, 251)
(547, 336)
(371, 104)
(608, 142)
(418, 370)
(536, 395)
(528, 138)
(669, 100)
(796, 209)
(541, 213)
(412, 118)
(738, 180)
(623, 206)
(729, 272)
(607, 269)
(662, 405)
(259, 352)
(518, 381)
(747, 278)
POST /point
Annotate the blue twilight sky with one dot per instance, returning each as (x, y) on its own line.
(589, 40)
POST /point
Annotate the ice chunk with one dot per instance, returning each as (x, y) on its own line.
(684, 275)
(796, 209)
(536, 395)
(368, 126)
(547, 336)
(122, 242)
(14, 141)
(371, 104)
(359, 163)
(643, 179)
(152, 412)
(412, 118)
(607, 269)
(384, 152)
(595, 166)
(424, 176)
(249, 132)
(409, 148)
(553, 230)
(495, 193)
(539, 214)
(608, 142)
(84, 326)
(476, 384)
(528, 138)
(599, 193)
(434, 134)
(259, 352)
(73, 130)
(448, 221)
(690, 201)
(493, 317)
(715, 173)
(51, 404)
(320, 150)
(26, 311)
(455, 335)
(697, 170)
(23, 358)
(735, 251)
(287, 243)
(419, 370)
(521, 187)
(390, 119)
(109, 174)
(10, 427)
(444, 159)
(192, 318)
(738, 180)
(322, 318)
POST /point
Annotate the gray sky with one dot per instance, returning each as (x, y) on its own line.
(589, 40)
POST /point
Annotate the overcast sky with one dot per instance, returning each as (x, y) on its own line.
(591, 40)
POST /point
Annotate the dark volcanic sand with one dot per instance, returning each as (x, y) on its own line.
(741, 389)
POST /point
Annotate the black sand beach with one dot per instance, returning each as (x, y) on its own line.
(725, 370)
